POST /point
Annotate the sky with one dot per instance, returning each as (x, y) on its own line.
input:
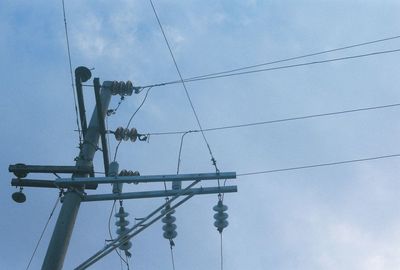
(334, 217)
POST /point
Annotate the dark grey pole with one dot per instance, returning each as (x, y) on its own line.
(59, 242)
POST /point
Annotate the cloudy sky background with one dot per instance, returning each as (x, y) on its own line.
(339, 217)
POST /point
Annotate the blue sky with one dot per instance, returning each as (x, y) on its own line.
(339, 217)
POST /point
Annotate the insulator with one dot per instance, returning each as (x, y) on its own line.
(121, 213)
(123, 172)
(122, 223)
(169, 228)
(125, 134)
(119, 133)
(114, 88)
(220, 217)
(133, 134)
(128, 88)
(128, 173)
(122, 88)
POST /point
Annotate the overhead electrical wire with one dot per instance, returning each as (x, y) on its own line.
(72, 76)
(295, 118)
(172, 258)
(298, 57)
(193, 109)
(130, 120)
(180, 151)
(318, 165)
(43, 231)
(221, 252)
(184, 86)
(222, 75)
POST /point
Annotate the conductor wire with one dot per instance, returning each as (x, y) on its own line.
(44, 230)
(221, 252)
(297, 57)
(223, 75)
(180, 150)
(70, 70)
(184, 86)
(130, 120)
(295, 118)
(172, 257)
(319, 165)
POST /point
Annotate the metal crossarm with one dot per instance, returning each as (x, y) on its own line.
(146, 178)
(159, 193)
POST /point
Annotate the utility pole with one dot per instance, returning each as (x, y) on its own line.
(83, 178)
(58, 246)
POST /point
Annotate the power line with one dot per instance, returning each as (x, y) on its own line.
(298, 57)
(43, 231)
(319, 165)
(180, 151)
(172, 258)
(311, 166)
(184, 86)
(130, 120)
(70, 70)
(201, 78)
(279, 120)
(221, 252)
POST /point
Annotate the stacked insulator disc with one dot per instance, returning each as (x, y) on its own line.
(128, 173)
(220, 217)
(169, 228)
(122, 223)
(126, 134)
(122, 88)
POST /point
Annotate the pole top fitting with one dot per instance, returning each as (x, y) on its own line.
(83, 73)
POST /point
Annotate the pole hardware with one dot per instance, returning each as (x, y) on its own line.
(18, 182)
(19, 196)
(65, 223)
(83, 178)
(82, 74)
(21, 170)
(146, 178)
(136, 229)
(159, 193)
(101, 123)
